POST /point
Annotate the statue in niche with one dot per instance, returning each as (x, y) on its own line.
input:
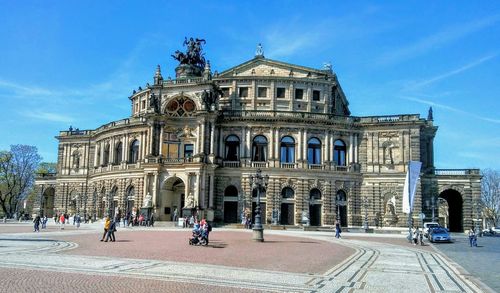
(189, 201)
(388, 154)
(147, 202)
(390, 217)
(76, 160)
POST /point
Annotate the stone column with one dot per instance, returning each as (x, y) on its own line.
(221, 143)
(299, 145)
(277, 146)
(95, 155)
(197, 192)
(248, 147)
(155, 189)
(212, 137)
(145, 189)
(202, 150)
(160, 143)
(211, 191)
(351, 149)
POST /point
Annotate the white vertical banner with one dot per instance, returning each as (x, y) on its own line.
(410, 185)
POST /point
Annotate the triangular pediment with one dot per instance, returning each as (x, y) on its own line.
(260, 66)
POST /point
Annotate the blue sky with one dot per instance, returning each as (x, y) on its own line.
(75, 63)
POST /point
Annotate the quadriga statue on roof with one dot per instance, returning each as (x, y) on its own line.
(194, 55)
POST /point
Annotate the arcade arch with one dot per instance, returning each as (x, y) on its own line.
(172, 197)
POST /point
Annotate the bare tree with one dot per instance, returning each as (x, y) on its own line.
(17, 174)
(490, 195)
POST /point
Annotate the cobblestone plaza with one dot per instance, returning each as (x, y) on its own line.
(152, 259)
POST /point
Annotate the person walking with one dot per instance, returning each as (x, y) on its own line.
(37, 221)
(107, 223)
(338, 230)
(78, 220)
(44, 222)
(472, 237)
(62, 220)
(111, 232)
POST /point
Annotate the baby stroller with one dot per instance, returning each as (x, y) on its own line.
(199, 237)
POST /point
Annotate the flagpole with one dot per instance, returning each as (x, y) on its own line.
(409, 203)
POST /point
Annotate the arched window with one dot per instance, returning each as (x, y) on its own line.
(314, 194)
(129, 200)
(232, 150)
(259, 149)
(231, 191)
(287, 150)
(314, 151)
(76, 159)
(134, 152)
(105, 159)
(118, 153)
(287, 192)
(339, 152)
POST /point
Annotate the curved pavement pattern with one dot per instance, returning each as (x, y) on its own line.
(375, 267)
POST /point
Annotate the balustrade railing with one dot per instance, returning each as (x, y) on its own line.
(288, 165)
(259, 164)
(316, 166)
(456, 172)
(231, 164)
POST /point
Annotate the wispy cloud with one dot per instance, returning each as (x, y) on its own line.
(437, 40)
(450, 108)
(47, 116)
(450, 73)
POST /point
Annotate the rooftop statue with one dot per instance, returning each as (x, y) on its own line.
(194, 55)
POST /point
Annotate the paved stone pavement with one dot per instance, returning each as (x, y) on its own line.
(482, 261)
(374, 267)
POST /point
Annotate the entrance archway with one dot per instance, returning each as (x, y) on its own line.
(231, 204)
(315, 207)
(48, 202)
(455, 209)
(172, 196)
(342, 207)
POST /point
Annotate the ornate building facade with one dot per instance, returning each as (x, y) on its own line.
(192, 143)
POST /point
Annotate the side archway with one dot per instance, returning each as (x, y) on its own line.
(452, 215)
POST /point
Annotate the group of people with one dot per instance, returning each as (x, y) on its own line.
(201, 231)
(132, 219)
(472, 237)
(109, 229)
(37, 221)
(417, 236)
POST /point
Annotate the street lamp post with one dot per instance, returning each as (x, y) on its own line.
(365, 204)
(41, 202)
(260, 182)
(276, 213)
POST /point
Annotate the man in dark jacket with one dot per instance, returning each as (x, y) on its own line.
(111, 232)
(37, 224)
